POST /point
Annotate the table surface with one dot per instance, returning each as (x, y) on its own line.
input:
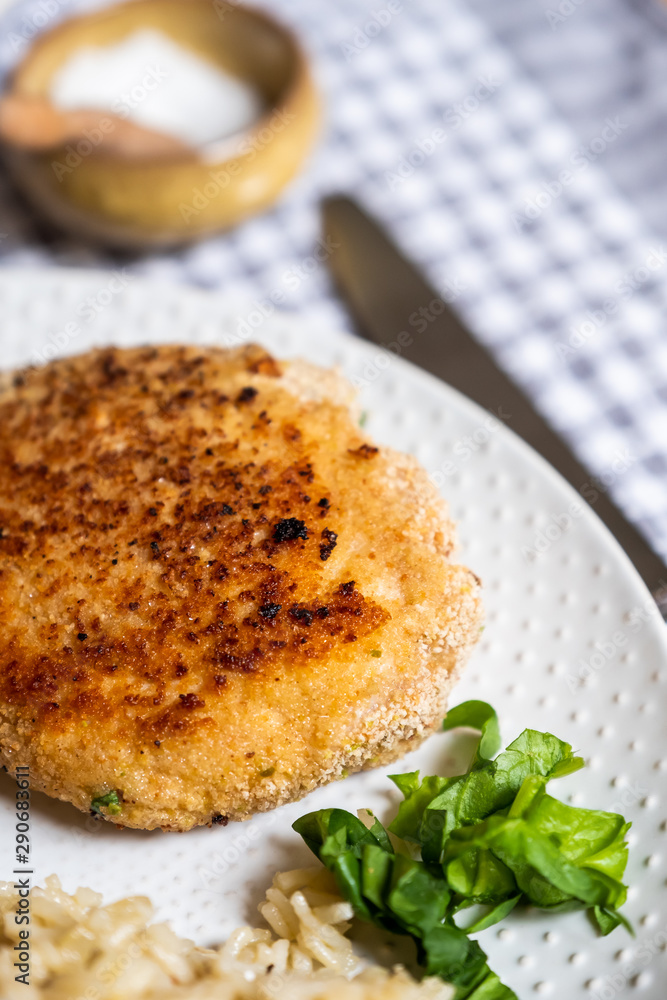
(564, 280)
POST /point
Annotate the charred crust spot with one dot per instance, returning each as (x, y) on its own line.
(346, 588)
(302, 615)
(247, 394)
(291, 433)
(152, 511)
(245, 663)
(220, 680)
(191, 701)
(181, 476)
(289, 529)
(219, 820)
(265, 490)
(82, 636)
(112, 370)
(181, 670)
(324, 503)
(269, 611)
(364, 451)
(329, 541)
(134, 605)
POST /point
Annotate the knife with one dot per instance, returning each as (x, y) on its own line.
(384, 289)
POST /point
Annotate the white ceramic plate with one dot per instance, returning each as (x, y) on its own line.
(572, 645)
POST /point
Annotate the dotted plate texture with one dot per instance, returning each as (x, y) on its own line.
(573, 644)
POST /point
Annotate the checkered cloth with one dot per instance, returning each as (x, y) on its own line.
(595, 58)
(443, 132)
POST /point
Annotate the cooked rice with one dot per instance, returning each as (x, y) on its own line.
(82, 950)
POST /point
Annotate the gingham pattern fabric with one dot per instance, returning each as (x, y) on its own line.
(595, 58)
(442, 132)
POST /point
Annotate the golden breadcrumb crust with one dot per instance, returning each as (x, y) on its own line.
(215, 592)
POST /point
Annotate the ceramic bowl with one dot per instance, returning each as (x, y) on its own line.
(166, 201)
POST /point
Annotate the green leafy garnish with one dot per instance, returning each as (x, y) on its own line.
(110, 802)
(491, 837)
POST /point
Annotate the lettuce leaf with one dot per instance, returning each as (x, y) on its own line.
(492, 837)
(477, 715)
(400, 895)
(439, 805)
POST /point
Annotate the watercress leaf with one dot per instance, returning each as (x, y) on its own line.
(546, 751)
(494, 915)
(376, 872)
(407, 823)
(450, 953)
(330, 832)
(588, 837)
(540, 868)
(432, 834)
(418, 898)
(490, 786)
(477, 715)
(480, 877)
(407, 783)
(492, 836)
(569, 765)
(491, 988)
(347, 871)
(473, 796)
(606, 920)
(381, 836)
(545, 857)
(494, 786)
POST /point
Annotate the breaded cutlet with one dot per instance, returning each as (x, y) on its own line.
(216, 593)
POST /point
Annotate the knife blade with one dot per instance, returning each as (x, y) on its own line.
(384, 290)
